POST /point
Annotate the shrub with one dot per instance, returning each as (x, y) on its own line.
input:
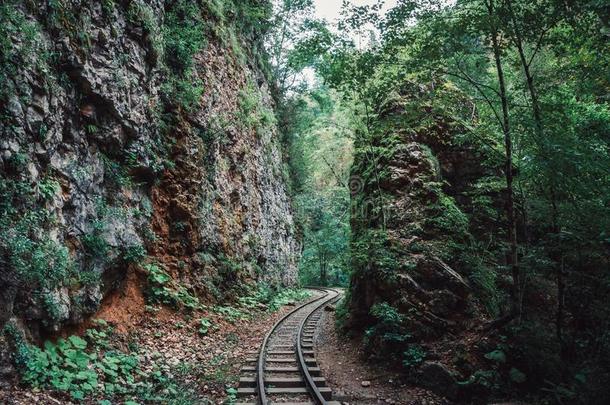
(116, 173)
(388, 318)
(230, 314)
(372, 251)
(41, 262)
(134, 253)
(448, 217)
(483, 277)
(204, 326)
(95, 245)
(252, 113)
(15, 55)
(162, 289)
(48, 188)
(108, 7)
(142, 14)
(413, 356)
(184, 92)
(64, 367)
(88, 366)
(184, 34)
(271, 298)
(69, 366)
(36, 259)
(387, 334)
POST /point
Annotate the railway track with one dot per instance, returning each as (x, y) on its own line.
(285, 370)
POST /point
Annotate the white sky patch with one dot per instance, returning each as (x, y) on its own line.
(331, 9)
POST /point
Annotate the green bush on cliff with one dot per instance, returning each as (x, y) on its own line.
(252, 113)
(14, 55)
(40, 261)
(388, 337)
(483, 277)
(95, 245)
(185, 92)
(138, 13)
(134, 253)
(162, 289)
(413, 356)
(371, 251)
(449, 218)
(35, 259)
(184, 36)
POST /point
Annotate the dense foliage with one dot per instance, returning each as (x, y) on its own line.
(526, 83)
(320, 153)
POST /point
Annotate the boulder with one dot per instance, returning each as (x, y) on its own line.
(438, 378)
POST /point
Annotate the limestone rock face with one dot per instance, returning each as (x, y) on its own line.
(101, 171)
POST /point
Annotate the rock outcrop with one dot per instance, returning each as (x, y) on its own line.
(429, 195)
(135, 132)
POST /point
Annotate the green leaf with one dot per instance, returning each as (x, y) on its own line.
(86, 375)
(78, 342)
(77, 394)
(517, 376)
(497, 356)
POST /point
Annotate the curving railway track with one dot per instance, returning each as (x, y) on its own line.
(285, 371)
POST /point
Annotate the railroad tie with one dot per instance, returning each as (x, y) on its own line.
(285, 367)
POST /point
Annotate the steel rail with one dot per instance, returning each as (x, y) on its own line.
(309, 382)
(260, 370)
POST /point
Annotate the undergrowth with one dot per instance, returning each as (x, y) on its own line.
(163, 289)
(388, 337)
(260, 297)
(92, 367)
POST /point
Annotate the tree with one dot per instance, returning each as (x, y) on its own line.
(295, 39)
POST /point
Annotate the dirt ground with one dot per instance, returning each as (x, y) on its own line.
(206, 365)
(354, 381)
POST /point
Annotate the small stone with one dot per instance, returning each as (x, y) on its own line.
(365, 383)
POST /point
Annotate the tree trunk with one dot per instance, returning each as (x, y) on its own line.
(510, 204)
(323, 274)
(557, 257)
(557, 252)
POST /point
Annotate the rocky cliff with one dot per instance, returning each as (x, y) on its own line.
(136, 135)
(425, 203)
